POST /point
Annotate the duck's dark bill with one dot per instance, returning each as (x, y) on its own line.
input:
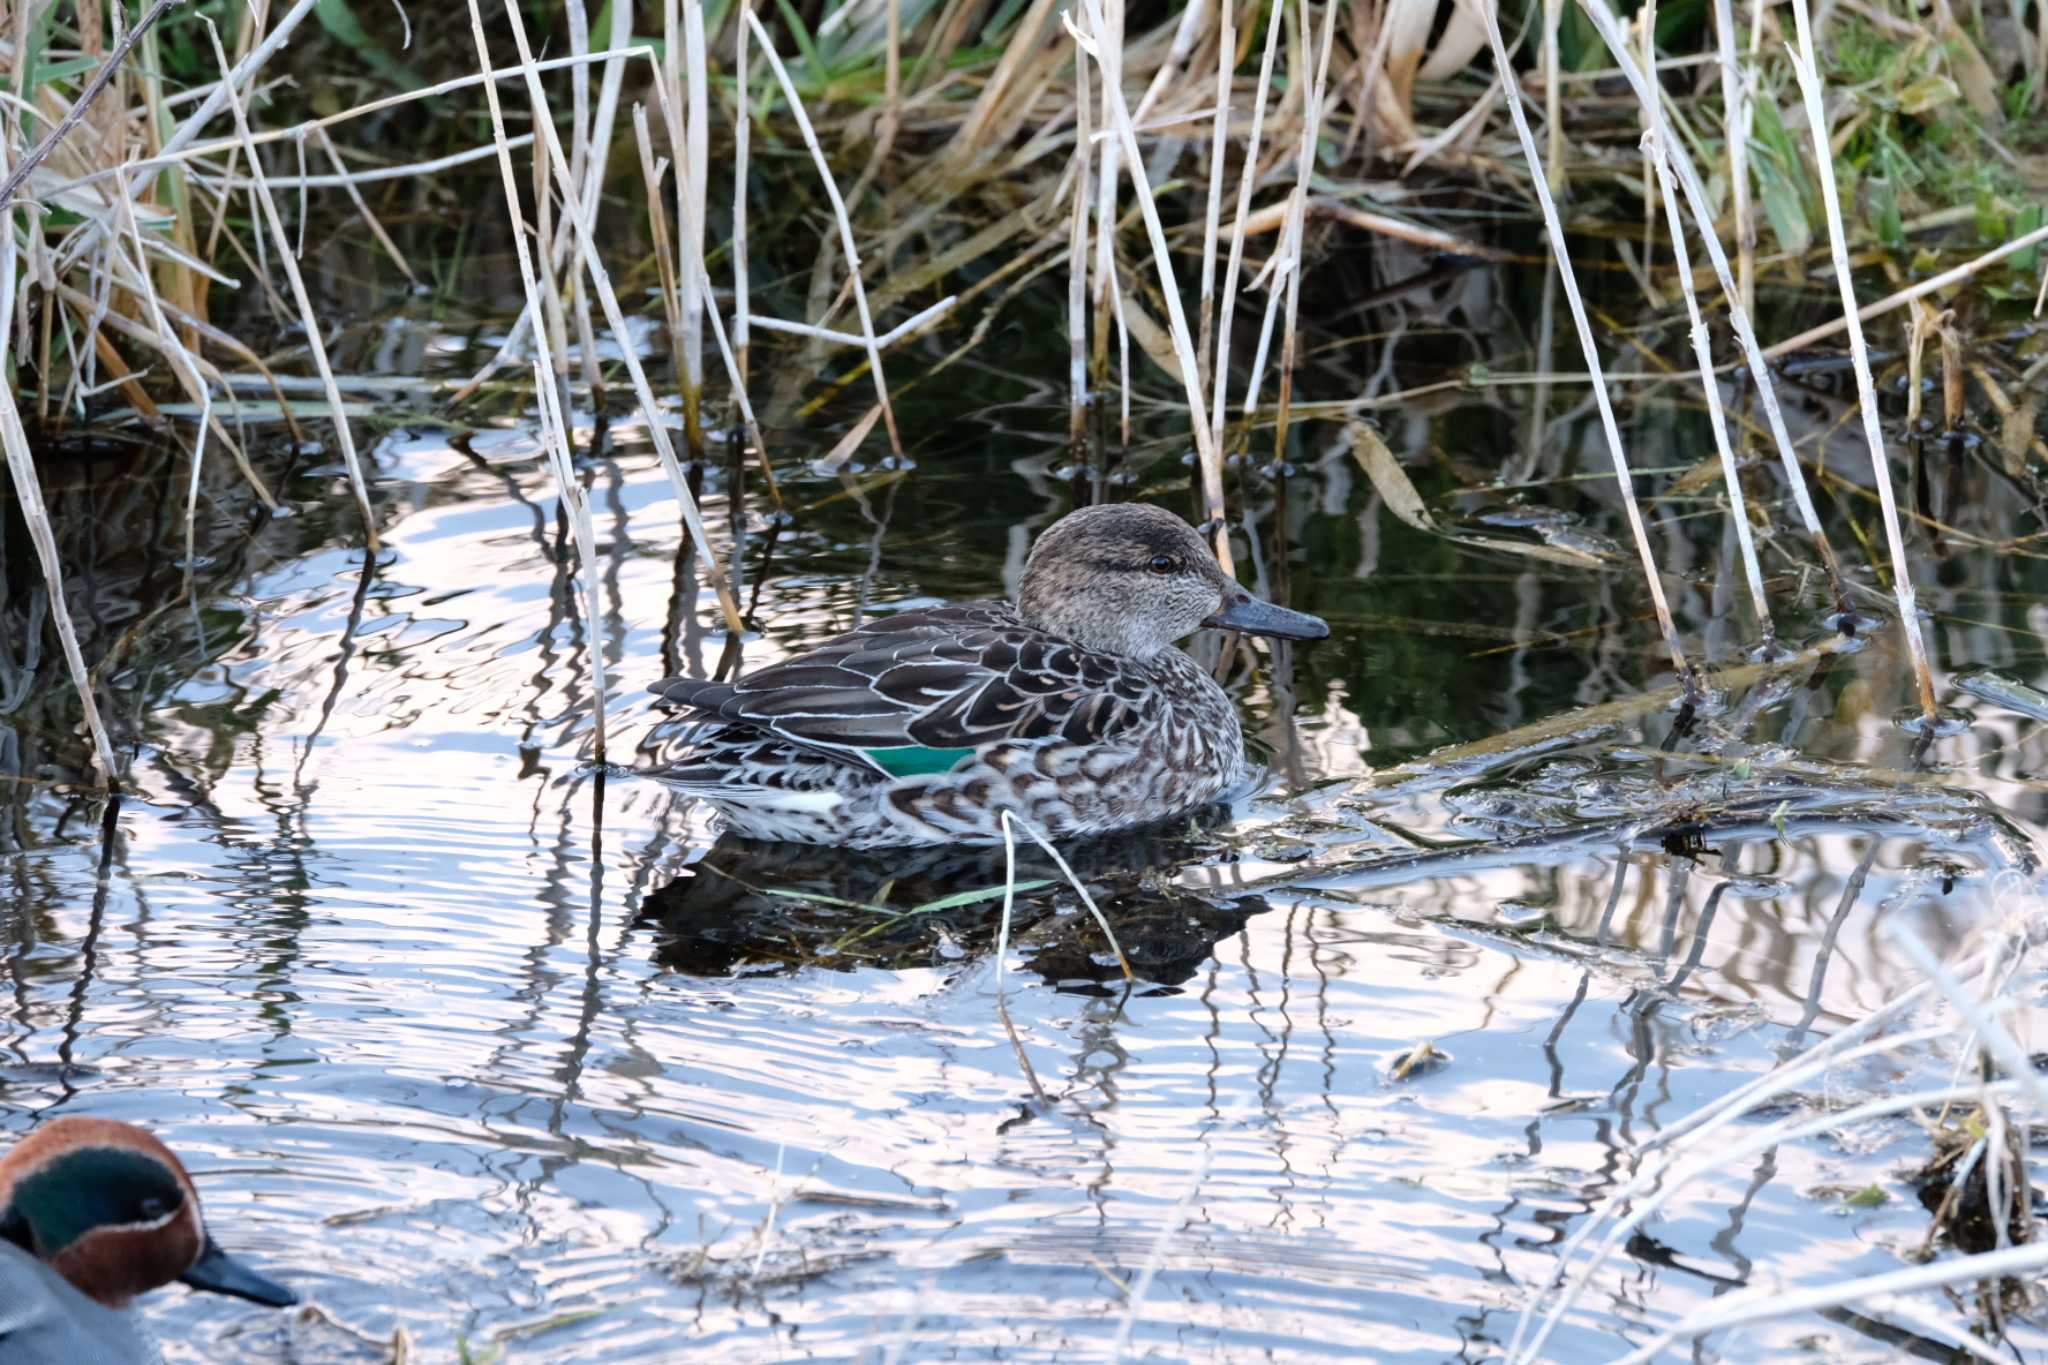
(1254, 617)
(219, 1273)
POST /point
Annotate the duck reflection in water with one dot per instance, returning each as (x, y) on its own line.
(751, 906)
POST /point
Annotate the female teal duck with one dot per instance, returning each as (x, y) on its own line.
(92, 1213)
(1071, 709)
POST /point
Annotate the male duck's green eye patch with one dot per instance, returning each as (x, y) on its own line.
(92, 1187)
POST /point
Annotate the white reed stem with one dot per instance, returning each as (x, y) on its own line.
(1183, 344)
(29, 493)
(1697, 203)
(1221, 379)
(1560, 249)
(860, 292)
(1806, 70)
(1703, 349)
(316, 346)
(586, 244)
(742, 138)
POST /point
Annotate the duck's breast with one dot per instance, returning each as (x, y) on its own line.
(44, 1321)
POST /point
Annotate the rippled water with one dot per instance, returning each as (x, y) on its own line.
(464, 1039)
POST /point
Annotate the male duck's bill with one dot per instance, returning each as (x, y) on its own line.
(1255, 617)
(219, 1273)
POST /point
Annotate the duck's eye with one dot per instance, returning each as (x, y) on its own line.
(1163, 564)
(150, 1209)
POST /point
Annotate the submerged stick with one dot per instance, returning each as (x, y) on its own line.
(1560, 250)
(1805, 67)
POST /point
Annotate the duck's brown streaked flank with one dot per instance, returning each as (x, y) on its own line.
(1070, 709)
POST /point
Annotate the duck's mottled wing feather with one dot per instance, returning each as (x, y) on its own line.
(946, 678)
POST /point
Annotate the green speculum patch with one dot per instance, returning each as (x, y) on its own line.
(917, 761)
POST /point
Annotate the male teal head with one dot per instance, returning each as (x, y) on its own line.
(110, 1209)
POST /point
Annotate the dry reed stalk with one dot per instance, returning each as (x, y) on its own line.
(1219, 135)
(1561, 253)
(1107, 186)
(846, 242)
(1902, 297)
(189, 151)
(1697, 204)
(742, 136)
(316, 346)
(584, 238)
(28, 493)
(363, 209)
(217, 99)
(1553, 112)
(1736, 115)
(1077, 262)
(1703, 348)
(693, 171)
(651, 172)
(1206, 451)
(1311, 130)
(1246, 175)
(1806, 70)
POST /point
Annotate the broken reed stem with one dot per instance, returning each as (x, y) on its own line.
(316, 347)
(1183, 344)
(846, 242)
(1696, 202)
(1221, 378)
(1504, 71)
(584, 239)
(554, 436)
(1806, 69)
(29, 493)
(1102, 921)
(1899, 299)
(1703, 348)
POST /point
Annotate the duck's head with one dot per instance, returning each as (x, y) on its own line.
(110, 1209)
(1130, 579)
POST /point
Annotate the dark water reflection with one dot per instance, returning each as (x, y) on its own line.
(465, 1042)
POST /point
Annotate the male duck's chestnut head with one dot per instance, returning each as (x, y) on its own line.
(1130, 579)
(110, 1209)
